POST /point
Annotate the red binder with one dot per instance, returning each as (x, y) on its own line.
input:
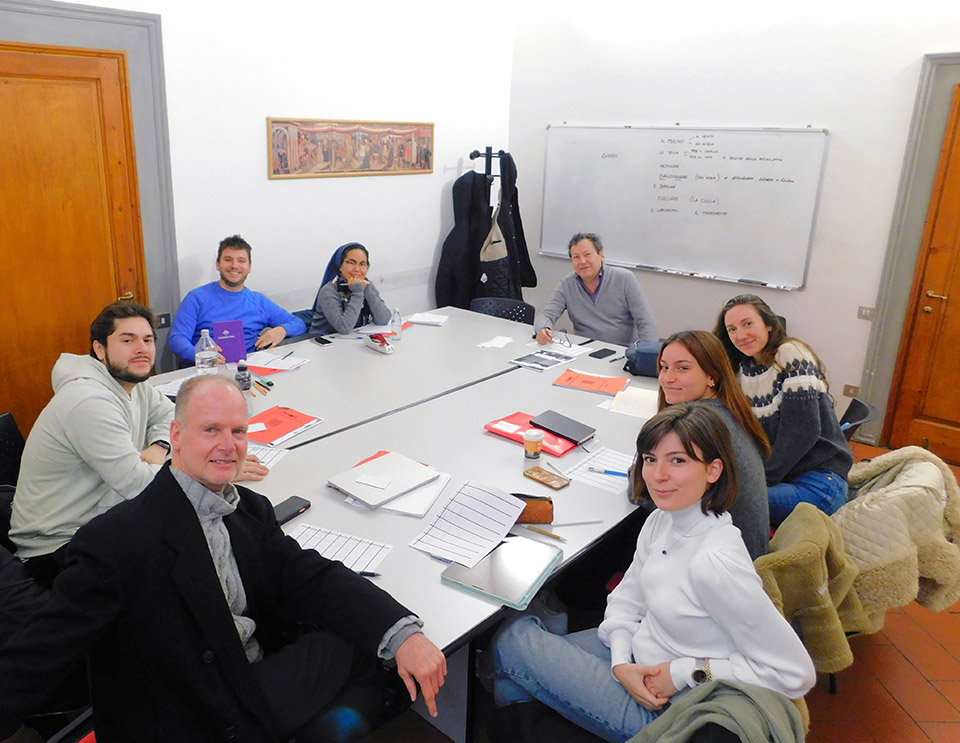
(514, 425)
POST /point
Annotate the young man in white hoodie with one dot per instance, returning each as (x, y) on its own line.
(98, 442)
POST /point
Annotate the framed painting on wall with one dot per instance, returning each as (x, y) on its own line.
(322, 148)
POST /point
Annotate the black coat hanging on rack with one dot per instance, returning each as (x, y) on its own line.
(461, 276)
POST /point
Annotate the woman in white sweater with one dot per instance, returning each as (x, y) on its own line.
(690, 608)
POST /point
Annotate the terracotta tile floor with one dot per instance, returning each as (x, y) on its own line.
(904, 684)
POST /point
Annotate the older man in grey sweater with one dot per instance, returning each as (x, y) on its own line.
(604, 303)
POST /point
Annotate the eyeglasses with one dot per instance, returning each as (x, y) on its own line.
(563, 340)
(354, 264)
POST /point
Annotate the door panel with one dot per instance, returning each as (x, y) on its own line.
(70, 226)
(925, 396)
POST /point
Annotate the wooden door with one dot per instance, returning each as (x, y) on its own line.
(70, 235)
(925, 398)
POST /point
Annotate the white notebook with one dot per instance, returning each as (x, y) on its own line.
(380, 480)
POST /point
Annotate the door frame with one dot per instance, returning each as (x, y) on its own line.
(938, 76)
(138, 34)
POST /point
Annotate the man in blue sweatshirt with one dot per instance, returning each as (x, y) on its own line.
(265, 323)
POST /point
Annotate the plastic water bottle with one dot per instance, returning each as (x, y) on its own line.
(206, 354)
(243, 376)
(396, 325)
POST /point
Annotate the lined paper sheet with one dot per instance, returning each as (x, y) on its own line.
(471, 524)
(356, 553)
(604, 458)
(268, 456)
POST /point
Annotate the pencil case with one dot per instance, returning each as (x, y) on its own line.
(539, 510)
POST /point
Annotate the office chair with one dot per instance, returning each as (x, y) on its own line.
(857, 413)
(509, 309)
(67, 719)
(11, 449)
(305, 315)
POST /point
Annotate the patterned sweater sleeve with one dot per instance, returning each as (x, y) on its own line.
(795, 428)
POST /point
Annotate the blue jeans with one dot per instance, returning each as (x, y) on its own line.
(824, 489)
(570, 674)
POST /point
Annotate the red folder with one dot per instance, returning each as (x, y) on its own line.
(551, 444)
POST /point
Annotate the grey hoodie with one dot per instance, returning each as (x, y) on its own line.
(83, 454)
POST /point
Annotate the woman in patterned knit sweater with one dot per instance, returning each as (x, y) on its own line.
(787, 387)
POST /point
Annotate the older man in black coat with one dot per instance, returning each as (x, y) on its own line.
(204, 622)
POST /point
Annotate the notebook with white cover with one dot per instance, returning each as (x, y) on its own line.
(380, 480)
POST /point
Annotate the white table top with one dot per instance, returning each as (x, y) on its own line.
(429, 400)
(447, 433)
(345, 383)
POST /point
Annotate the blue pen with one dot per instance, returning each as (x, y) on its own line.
(603, 471)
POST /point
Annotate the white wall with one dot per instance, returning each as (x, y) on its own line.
(229, 65)
(850, 67)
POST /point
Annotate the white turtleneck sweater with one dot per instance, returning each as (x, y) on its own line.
(692, 592)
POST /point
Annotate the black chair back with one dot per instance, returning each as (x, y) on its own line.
(509, 309)
(11, 449)
(857, 413)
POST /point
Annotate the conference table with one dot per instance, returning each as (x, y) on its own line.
(429, 400)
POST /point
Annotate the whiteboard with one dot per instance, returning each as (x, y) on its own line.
(728, 204)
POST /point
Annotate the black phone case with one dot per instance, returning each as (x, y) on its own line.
(290, 508)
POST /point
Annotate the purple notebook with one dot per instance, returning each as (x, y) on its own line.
(229, 336)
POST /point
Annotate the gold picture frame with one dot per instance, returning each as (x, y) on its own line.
(327, 148)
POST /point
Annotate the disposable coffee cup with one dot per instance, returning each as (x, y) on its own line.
(532, 443)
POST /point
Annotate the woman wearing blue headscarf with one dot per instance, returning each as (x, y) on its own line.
(346, 299)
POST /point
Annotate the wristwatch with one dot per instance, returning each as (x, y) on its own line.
(162, 443)
(701, 671)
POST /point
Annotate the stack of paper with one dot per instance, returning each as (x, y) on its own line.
(385, 330)
(636, 401)
(427, 318)
(264, 362)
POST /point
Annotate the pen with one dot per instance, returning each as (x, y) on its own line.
(607, 472)
(262, 387)
(576, 523)
(618, 358)
(545, 533)
(368, 574)
(265, 382)
(285, 355)
(554, 468)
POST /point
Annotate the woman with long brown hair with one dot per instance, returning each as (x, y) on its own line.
(786, 384)
(694, 366)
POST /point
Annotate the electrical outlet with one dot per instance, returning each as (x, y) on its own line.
(851, 390)
(163, 321)
(866, 313)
